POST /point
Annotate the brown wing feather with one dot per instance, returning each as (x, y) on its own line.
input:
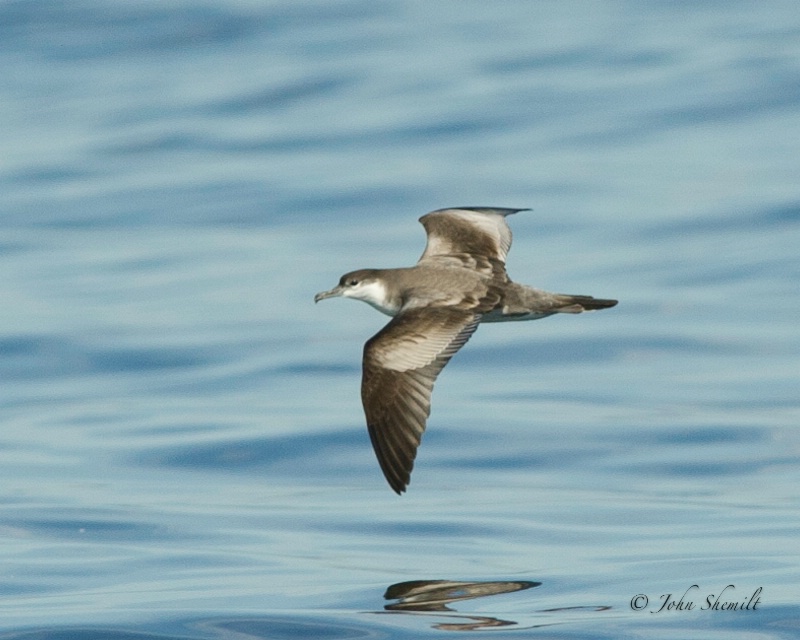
(400, 366)
(468, 231)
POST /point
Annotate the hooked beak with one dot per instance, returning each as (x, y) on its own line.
(336, 291)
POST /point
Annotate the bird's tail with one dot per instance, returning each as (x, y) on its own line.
(579, 304)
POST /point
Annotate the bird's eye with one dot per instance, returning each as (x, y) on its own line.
(352, 283)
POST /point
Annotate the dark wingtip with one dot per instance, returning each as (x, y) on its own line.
(398, 485)
(397, 477)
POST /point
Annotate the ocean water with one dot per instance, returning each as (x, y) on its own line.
(182, 447)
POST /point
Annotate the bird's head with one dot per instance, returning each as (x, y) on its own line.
(364, 284)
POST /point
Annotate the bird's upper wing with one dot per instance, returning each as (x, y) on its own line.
(481, 232)
(400, 365)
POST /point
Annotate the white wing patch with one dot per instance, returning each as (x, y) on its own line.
(493, 225)
(415, 352)
(421, 342)
(481, 232)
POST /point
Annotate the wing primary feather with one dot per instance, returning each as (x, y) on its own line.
(397, 403)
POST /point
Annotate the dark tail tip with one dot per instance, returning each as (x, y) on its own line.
(598, 303)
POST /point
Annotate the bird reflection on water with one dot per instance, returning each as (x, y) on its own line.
(429, 596)
(432, 597)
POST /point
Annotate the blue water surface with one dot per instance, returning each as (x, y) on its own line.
(182, 451)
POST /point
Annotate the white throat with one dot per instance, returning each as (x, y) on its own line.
(375, 294)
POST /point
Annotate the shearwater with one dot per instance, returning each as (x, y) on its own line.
(436, 305)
